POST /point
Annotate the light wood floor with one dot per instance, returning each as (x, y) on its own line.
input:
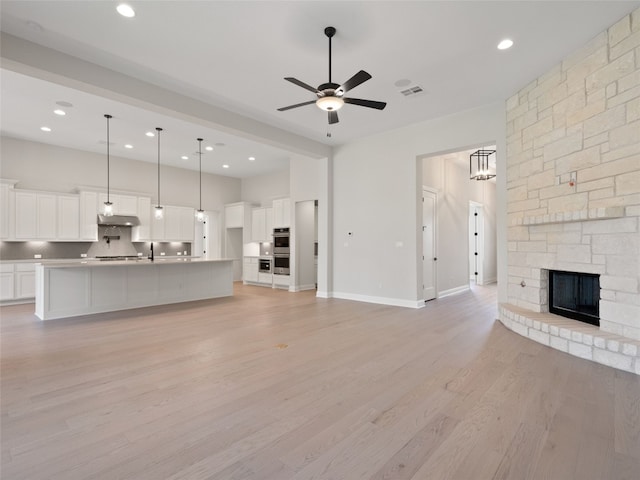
(275, 385)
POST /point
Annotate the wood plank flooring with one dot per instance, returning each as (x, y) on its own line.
(275, 385)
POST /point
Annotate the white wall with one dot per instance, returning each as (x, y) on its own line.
(40, 166)
(264, 188)
(376, 181)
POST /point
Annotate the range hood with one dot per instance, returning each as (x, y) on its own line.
(118, 220)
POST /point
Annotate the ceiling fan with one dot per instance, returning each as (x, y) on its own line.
(331, 95)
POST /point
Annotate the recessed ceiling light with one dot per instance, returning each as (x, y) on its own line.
(150, 134)
(184, 157)
(252, 158)
(126, 10)
(45, 129)
(225, 166)
(208, 149)
(128, 146)
(504, 44)
(62, 103)
(62, 113)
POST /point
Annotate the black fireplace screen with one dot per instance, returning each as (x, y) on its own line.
(575, 295)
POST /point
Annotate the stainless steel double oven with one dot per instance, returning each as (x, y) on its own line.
(281, 251)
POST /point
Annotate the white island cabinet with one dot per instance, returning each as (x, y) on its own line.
(81, 288)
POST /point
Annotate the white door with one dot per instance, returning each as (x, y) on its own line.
(476, 242)
(429, 244)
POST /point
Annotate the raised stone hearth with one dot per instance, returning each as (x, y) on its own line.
(573, 196)
(570, 336)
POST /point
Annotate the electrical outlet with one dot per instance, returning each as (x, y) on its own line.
(37, 255)
(161, 254)
(83, 255)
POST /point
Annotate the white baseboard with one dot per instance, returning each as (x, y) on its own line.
(489, 281)
(301, 288)
(323, 294)
(453, 291)
(395, 302)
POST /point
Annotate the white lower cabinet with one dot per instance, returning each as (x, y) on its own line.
(281, 281)
(17, 281)
(266, 278)
(250, 270)
(25, 280)
(7, 290)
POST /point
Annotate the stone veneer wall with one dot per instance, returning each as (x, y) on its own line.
(573, 177)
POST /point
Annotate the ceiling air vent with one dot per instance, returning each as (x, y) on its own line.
(412, 91)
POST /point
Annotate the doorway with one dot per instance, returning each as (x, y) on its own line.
(429, 257)
(207, 237)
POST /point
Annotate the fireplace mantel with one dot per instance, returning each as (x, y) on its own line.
(572, 216)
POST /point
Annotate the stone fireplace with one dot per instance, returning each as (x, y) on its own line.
(575, 295)
(573, 197)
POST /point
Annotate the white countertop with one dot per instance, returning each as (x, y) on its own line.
(132, 263)
(91, 259)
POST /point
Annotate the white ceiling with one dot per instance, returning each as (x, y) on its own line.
(234, 55)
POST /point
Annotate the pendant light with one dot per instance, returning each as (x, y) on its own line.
(159, 212)
(479, 165)
(108, 206)
(200, 212)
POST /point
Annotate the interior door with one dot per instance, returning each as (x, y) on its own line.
(429, 244)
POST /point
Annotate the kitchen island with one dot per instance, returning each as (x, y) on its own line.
(81, 288)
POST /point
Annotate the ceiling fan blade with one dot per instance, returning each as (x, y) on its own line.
(301, 84)
(354, 81)
(333, 117)
(366, 103)
(296, 105)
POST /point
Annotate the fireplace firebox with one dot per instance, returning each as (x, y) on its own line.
(575, 295)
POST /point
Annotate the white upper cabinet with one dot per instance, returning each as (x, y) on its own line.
(258, 224)
(176, 225)
(122, 204)
(281, 213)
(68, 217)
(88, 216)
(142, 232)
(234, 215)
(26, 215)
(262, 224)
(5, 211)
(47, 216)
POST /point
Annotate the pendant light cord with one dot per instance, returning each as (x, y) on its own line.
(158, 130)
(108, 161)
(200, 156)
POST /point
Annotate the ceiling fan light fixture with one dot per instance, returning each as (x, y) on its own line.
(330, 103)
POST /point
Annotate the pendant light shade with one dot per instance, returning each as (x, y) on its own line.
(479, 166)
(159, 211)
(108, 206)
(200, 212)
